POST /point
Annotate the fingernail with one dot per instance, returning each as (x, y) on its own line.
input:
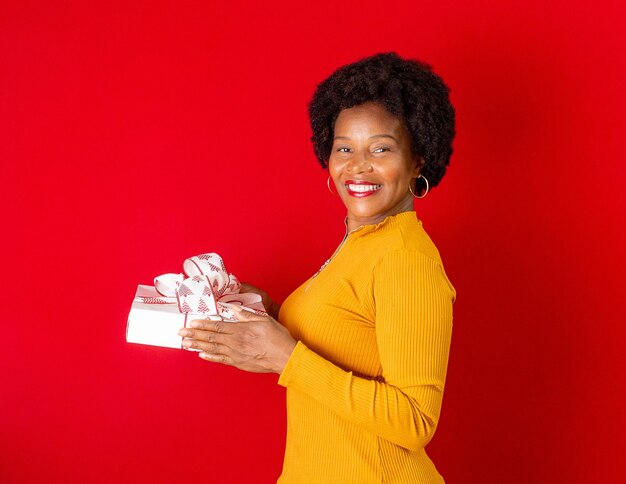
(194, 324)
(183, 332)
(187, 343)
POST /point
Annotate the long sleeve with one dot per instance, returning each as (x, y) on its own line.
(413, 323)
(365, 381)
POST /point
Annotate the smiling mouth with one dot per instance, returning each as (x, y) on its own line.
(361, 189)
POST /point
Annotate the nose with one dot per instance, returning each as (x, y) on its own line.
(359, 164)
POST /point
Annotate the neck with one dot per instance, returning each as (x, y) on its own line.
(354, 222)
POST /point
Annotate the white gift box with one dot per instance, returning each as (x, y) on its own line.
(157, 324)
(156, 316)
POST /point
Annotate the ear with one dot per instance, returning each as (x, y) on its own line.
(418, 164)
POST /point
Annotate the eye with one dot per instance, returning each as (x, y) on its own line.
(381, 149)
(343, 149)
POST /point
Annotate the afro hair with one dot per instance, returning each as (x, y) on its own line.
(408, 89)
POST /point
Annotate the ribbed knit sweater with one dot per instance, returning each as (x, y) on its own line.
(366, 379)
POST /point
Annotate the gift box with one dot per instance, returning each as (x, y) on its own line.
(205, 290)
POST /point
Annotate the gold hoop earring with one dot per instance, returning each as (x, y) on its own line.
(328, 185)
(427, 187)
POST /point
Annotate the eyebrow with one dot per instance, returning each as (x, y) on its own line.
(373, 136)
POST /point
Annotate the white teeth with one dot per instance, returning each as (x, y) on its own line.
(363, 188)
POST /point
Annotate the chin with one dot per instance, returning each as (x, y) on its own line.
(366, 213)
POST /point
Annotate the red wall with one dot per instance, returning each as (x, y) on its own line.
(136, 134)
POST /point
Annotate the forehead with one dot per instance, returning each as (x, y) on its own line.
(369, 117)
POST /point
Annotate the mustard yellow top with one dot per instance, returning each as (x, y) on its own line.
(365, 381)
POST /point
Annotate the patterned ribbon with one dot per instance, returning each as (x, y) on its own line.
(204, 288)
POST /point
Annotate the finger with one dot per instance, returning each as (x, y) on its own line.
(200, 335)
(221, 354)
(209, 325)
(223, 359)
(242, 314)
(211, 347)
(245, 287)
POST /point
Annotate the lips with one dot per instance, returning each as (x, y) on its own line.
(361, 188)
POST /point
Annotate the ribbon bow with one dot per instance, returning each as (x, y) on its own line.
(205, 288)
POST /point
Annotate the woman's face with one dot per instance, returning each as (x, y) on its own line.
(372, 165)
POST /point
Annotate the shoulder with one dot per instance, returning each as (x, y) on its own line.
(407, 236)
(409, 253)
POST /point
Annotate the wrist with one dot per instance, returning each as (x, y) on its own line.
(274, 309)
(282, 363)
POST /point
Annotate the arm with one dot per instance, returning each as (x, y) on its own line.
(413, 328)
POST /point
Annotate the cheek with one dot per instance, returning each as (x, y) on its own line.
(334, 168)
(396, 175)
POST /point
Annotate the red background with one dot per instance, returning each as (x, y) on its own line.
(136, 134)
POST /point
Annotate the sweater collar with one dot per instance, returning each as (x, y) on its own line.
(388, 223)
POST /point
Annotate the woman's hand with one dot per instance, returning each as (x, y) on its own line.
(254, 343)
(270, 306)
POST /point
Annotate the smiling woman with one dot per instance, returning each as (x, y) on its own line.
(362, 346)
(372, 165)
